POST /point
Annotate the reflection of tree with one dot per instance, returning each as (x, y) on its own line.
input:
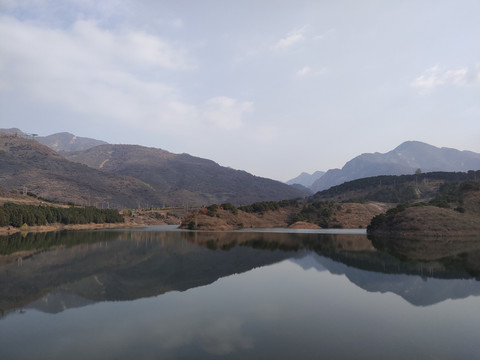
(280, 241)
(460, 254)
(41, 241)
(352, 250)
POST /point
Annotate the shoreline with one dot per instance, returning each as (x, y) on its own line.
(9, 230)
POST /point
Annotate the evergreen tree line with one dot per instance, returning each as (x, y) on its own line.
(396, 180)
(17, 215)
(262, 206)
(318, 212)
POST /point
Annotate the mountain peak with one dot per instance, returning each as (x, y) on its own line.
(404, 159)
(413, 145)
(66, 142)
(306, 179)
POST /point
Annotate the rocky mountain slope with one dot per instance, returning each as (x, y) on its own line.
(129, 176)
(182, 178)
(29, 166)
(60, 142)
(65, 142)
(404, 159)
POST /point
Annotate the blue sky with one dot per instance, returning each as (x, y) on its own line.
(271, 87)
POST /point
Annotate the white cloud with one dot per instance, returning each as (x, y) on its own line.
(134, 47)
(226, 112)
(436, 76)
(94, 71)
(304, 71)
(293, 37)
(307, 71)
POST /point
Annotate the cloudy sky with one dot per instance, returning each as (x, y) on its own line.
(271, 87)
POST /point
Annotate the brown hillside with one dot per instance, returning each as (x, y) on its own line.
(461, 218)
(29, 165)
(348, 216)
(182, 178)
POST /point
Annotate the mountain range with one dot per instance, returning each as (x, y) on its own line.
(182, 176)
(65, 167)
(306, 179)
(126, 175)
(407, 158)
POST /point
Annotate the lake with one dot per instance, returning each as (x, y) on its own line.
(161, 293)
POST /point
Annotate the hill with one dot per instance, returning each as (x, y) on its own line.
(128, 176)
(283, 214)
(182, 178)
(404, 159)
(29, 166)
(455, 211)
(394, 188)
(349, 205)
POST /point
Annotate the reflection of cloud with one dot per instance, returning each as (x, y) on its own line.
(222, 336)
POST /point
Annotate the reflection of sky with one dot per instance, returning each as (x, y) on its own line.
(279, 311)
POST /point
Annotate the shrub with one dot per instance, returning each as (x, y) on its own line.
(230, 207)
(212, 209)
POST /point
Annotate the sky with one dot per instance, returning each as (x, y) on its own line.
(274, 88)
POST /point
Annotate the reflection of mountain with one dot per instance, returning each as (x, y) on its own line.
(417, 290)
(125, 265)
(135, 265)
(59, 300)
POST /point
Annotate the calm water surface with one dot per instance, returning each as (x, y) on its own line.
(155, 294)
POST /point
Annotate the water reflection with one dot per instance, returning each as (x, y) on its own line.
(55, 271)
(460, 253)
(231, 295)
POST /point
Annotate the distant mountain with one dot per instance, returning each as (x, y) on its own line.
(182, 178)
(60, 142)
(125, 175)
(302, 188)
(64, 142)
(404, 159)
(306, 179)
